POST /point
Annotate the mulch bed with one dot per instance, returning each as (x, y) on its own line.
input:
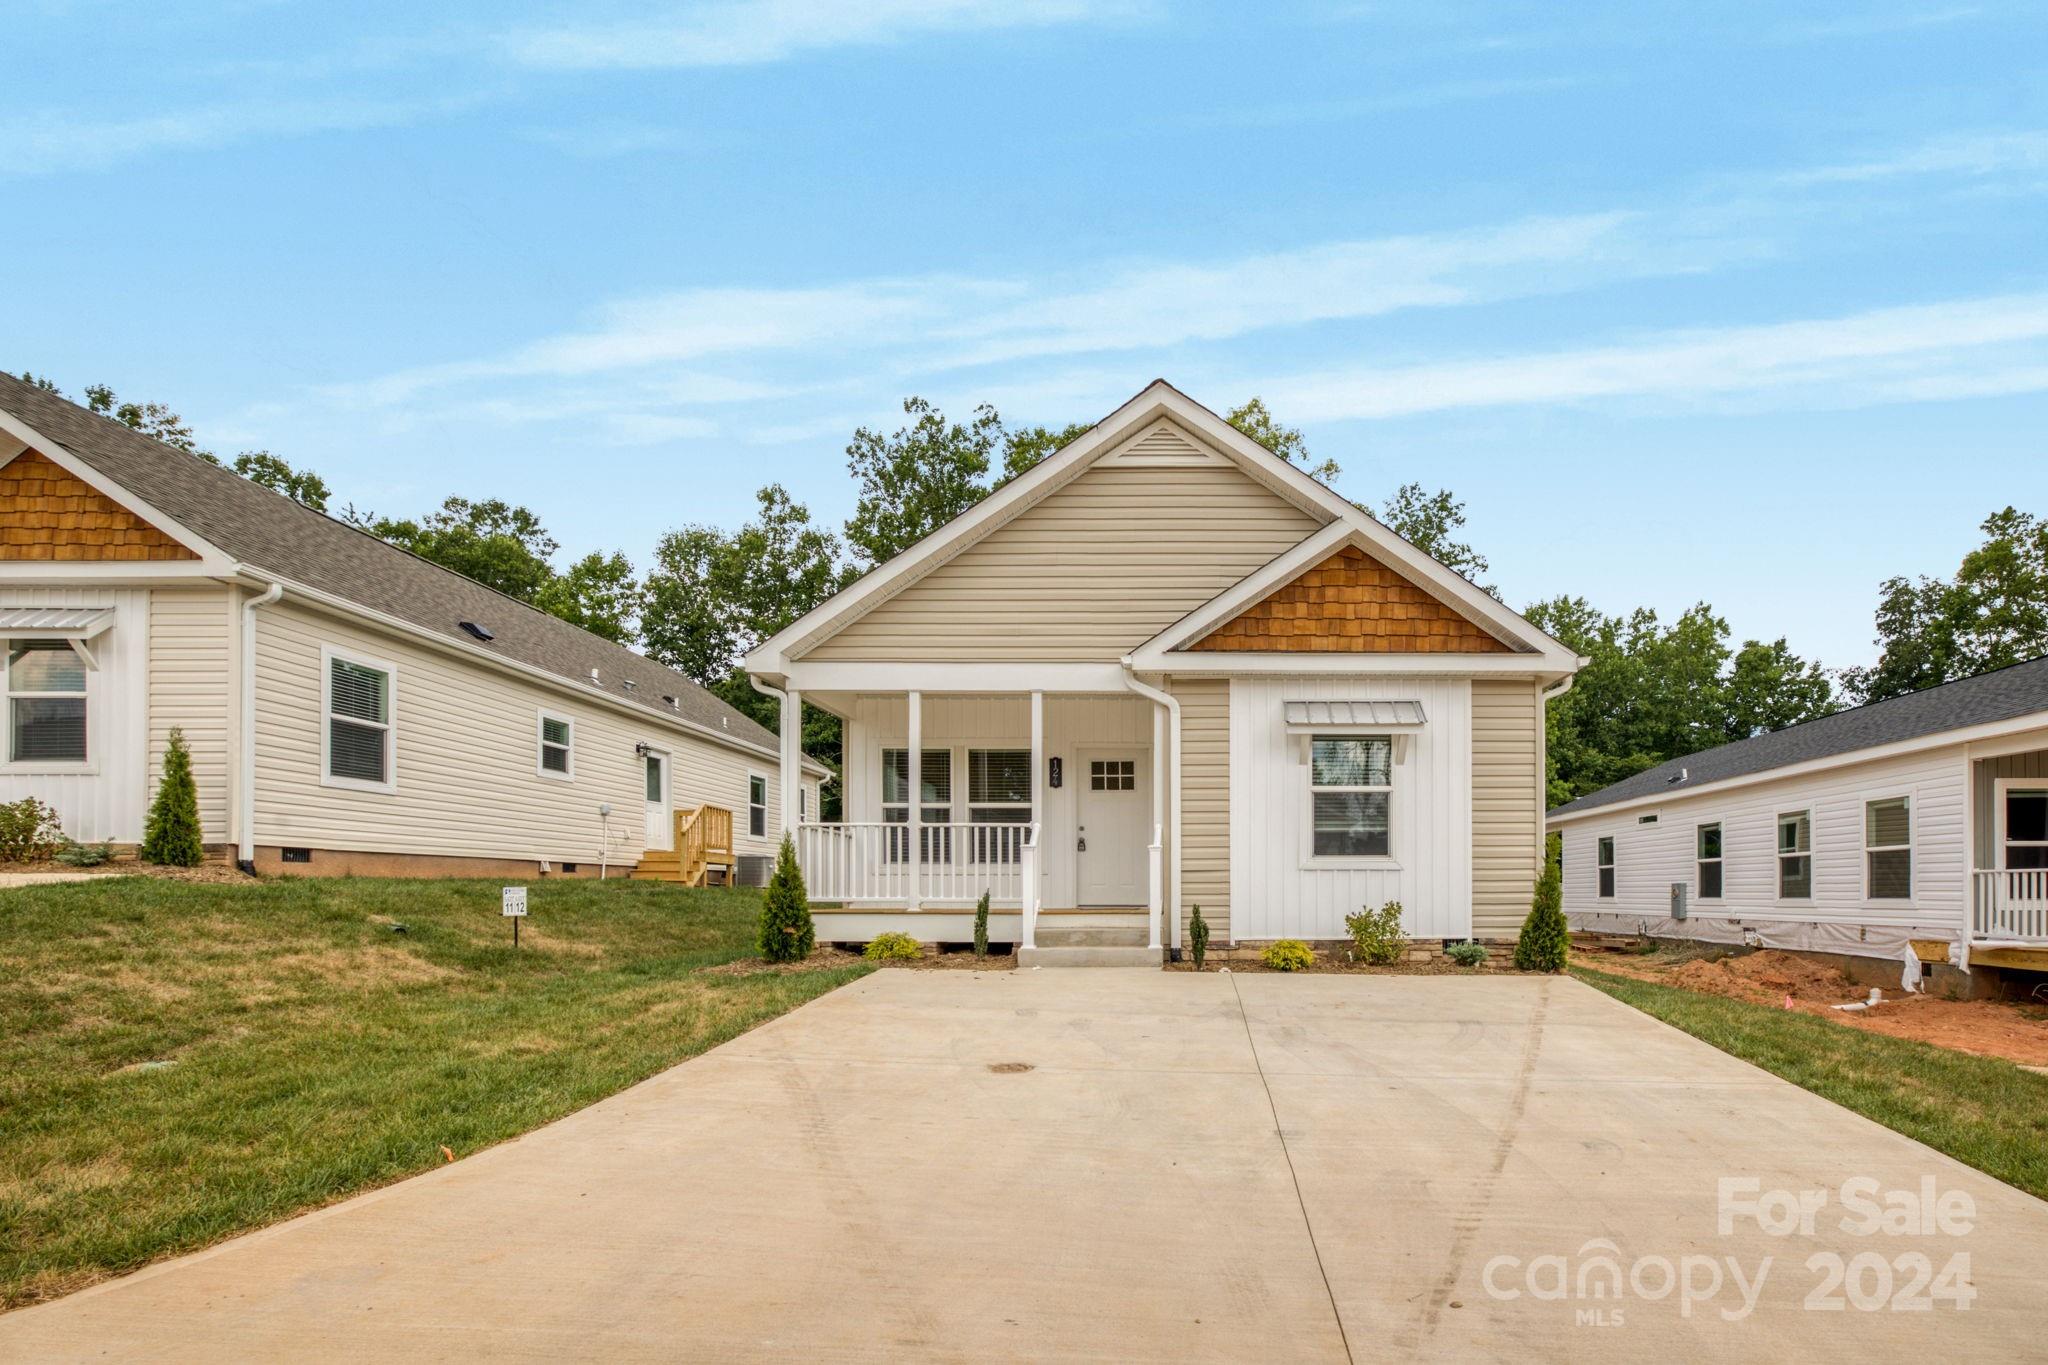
(826, 957)
(128, 867)
(1324, 966)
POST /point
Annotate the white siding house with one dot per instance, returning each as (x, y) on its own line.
(1864, 833)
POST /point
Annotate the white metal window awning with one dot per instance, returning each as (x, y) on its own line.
(75, 625)
(54, 623)
(1354, 715)
(1306, 719)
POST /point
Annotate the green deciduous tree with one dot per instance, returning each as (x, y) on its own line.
(1254, 420)
(599, 593)
(490, 540)
(1023, 450)
(171, 835)
(1429, 521)
(300, 485)
(154, 420)
(787, 934)
(917, 479)
(1768, 687)
(1993, 613)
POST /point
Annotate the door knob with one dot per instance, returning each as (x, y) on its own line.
(1081, 844)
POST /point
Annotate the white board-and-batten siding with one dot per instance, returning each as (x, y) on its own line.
(1276, 889)
(1650, 857)
(103, 800)
(466, 774)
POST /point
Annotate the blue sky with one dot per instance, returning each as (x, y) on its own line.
(1738, 303)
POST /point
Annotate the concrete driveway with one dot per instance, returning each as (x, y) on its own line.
(1223, 1167)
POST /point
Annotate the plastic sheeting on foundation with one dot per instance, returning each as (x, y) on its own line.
(1855, 940)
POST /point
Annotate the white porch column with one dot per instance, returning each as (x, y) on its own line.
(1154, 878)
(913, 897)
(1034, 855)
(792, 759)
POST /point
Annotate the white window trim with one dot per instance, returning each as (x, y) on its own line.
(328, 654)
(1778, 857)
(1613, 865)
(1721, 862)
(1311, 861)
(1912, 853)
(1999, 787)
(540, 745)
(762, 778)
(89, 766)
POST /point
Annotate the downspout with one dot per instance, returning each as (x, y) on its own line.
(245, 780)
(1172, 705)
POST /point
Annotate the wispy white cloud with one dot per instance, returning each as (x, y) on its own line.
(39, 143)
(1876, 23)
(1386, 102)
(1967, 154)
(750, 32)
(605, 139)
(1931, 351)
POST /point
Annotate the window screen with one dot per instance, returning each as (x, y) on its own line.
(45, 702)
(1351, 779)
(1888, 848)
(358, 722)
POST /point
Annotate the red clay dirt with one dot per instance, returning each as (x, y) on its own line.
(1987, 1028)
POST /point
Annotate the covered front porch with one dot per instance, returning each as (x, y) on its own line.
(1053, 803)
(2009, 883)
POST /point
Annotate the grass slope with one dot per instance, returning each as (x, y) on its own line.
(1983, 1112)
(318, 1053)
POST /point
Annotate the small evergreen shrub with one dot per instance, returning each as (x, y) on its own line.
(29, 831)
(1466, 954)
(1376, 935)
(787, 934)
(893, 947)
(981, 926)
(171, 835)
(1198, 937)
(75, 854)
(1289, 955)
(1545, 942)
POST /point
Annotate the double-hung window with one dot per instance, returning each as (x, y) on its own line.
(557, 746)
(757, 805)
(935, 802)
(1708, 859)
(1351, 789)
(1795, 856)
(1603, 859)
(998, 796)
(360, 736)
(2023, 827)
(1888, 849)
(45, 702)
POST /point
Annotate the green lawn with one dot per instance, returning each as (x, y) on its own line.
(317, 1052)
(1983, 1112)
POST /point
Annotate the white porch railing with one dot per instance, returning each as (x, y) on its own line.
(1033, 880)
(949, 864)
(2009, 905)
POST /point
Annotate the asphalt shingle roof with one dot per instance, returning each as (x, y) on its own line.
(2002, 694)
(270, 532)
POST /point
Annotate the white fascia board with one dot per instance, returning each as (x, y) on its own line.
(1222, 664)
(1157, 399)
(212, 558)
(1943, 739)
(938, 678)
(108, 573)
(561, 686)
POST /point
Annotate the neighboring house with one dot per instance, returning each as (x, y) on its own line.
(349, 707)
(1917, 821)
(1167, 668)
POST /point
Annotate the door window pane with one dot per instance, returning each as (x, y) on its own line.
(655, 786)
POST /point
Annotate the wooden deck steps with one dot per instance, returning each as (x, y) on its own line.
(701, 853)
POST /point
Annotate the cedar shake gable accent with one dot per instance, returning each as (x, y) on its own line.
(1351, 603)
(48, 513)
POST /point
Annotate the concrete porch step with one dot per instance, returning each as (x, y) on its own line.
(1053, 934)
(1088, 957)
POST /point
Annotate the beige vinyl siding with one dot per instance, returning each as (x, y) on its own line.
(1507, 808)
(1205, 801)
(1090, 572)
(191, 683)
(467, 755)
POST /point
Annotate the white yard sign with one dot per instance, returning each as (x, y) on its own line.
(515, 900)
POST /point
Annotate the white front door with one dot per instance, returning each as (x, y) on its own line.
(1110, 845)
(660, 826)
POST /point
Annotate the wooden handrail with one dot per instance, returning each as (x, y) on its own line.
(703, 835)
